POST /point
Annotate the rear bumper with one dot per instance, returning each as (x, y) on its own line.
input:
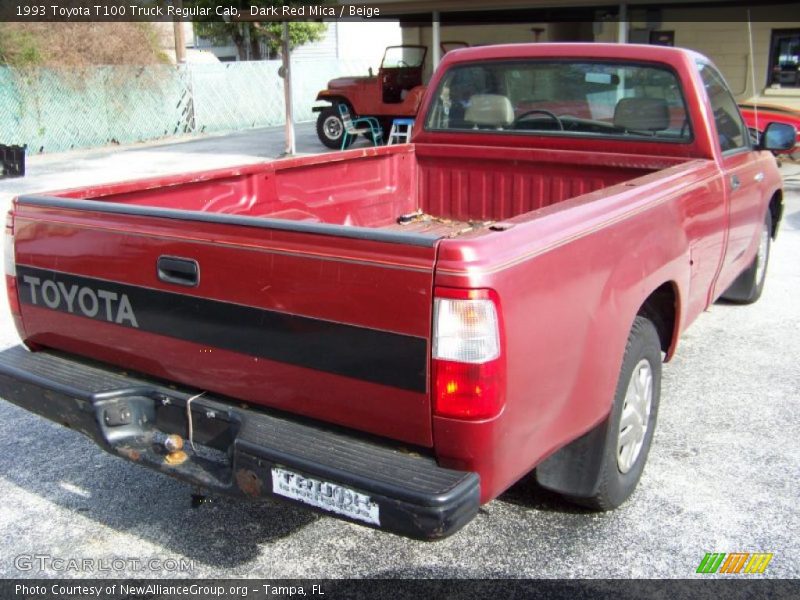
(242, 451)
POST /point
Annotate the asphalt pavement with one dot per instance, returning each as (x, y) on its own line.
(173, 155)
(722, 474)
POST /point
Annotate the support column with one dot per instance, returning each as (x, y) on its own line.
(180, 39)
(287, 89)
(622, 24)
(436, 41)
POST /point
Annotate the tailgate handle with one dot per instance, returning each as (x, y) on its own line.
(181, 271)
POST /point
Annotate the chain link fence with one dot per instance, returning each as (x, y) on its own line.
(54, 110)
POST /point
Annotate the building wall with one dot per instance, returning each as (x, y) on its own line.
(476, 35)
(727, 45)
(724, 41)
(347, 40)
(366, 41)
(327, 47)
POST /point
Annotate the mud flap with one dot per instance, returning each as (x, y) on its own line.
(575, 469)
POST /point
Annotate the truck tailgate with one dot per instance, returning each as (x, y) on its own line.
(332, 327)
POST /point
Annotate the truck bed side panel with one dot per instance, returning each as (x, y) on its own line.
(571, 281)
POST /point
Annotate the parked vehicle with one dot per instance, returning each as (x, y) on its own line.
(758, 117)
(396, 335)
(395, 92)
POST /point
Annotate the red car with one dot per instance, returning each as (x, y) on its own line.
(758, 118)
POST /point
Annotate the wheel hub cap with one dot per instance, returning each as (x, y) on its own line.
(635, 416)
(332, 128)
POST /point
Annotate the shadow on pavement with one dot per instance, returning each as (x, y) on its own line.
(66, 469)
(267, 143)
(527, 493)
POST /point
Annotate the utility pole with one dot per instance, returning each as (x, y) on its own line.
(180, 39)
(287, 89)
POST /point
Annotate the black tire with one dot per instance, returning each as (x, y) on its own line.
(588, 472)
(330, 128)
(747, 288)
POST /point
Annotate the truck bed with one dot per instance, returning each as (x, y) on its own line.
(314, 274)
(433, 192)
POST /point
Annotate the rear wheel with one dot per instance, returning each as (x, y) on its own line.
(330, 128)
(601, 469)
(747, 288)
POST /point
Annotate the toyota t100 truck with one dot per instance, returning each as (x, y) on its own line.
(394, 336)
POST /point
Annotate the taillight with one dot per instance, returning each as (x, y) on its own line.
(468, 362)
(11, 267)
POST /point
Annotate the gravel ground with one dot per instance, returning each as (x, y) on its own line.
(722, 476)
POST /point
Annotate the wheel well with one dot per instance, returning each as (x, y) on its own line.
(334, 100)
(776, 211)
(661, 308)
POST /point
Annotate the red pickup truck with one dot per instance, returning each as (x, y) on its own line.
(396, 335)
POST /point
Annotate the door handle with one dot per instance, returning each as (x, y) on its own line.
(180, 271)
(735, 183)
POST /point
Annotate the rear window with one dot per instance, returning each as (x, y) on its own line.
(559, 98)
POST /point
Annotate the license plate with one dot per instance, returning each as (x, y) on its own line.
(328, 496)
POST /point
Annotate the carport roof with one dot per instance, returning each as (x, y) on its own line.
(427, 6)
(465, 11)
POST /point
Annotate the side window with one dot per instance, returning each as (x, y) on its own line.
(731, 129)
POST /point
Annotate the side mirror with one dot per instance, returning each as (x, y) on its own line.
(778, 137)
(370, 72)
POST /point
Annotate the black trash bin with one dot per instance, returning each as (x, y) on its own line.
(12, 161)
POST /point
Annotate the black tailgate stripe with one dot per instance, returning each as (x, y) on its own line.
(378, 356)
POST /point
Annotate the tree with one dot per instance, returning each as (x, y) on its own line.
(78, 44)
(248, 36)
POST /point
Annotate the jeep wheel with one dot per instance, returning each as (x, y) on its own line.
(330, 128)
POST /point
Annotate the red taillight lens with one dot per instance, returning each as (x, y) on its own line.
(467, 361)
(468, 391)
